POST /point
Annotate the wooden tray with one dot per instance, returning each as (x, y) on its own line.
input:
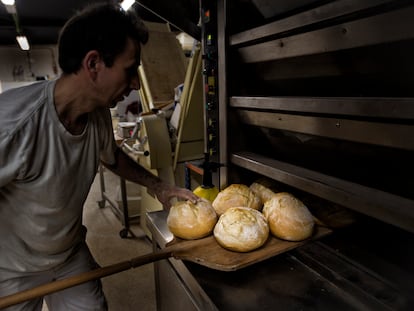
(209, 253)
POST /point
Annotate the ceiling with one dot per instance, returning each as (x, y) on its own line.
(41, 20)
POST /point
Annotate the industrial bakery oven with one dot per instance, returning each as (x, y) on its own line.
(316, 97)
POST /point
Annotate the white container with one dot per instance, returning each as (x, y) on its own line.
(125, 129)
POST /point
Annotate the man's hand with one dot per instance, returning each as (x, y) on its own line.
(164, 192)
(130, 170)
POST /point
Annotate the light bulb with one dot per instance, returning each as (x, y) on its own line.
(8, 2)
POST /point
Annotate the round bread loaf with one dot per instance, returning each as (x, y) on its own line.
(289, 219)
(191, 221)
(236, 195)
(241, 229)
(264, 193)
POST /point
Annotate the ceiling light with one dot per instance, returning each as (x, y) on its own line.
(126, 4)
(24, 44)
(8, 2)
(10, 6)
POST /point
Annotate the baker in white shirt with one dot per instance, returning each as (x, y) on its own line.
(53, 136)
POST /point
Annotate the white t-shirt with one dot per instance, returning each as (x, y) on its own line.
(45, 176)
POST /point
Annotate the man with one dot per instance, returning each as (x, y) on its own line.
(54, 134)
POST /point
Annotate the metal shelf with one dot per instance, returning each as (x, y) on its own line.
(384, 206)
(373, 107)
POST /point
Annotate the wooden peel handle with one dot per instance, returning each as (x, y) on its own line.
(55, 286)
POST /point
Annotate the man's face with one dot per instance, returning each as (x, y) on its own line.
(116, 82)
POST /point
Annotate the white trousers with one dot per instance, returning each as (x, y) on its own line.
(84, 297)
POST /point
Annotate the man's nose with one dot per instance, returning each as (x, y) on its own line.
(135, 82)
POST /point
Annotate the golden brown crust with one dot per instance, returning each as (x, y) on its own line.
(264, 193)
(288, 217)
(236, 195)
(241, 229)
(190, 221)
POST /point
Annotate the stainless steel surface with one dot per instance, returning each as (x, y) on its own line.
(172, 293)
(158, 225)
(377, 133)
(331, 10)
(270, 8)
(383, 28)
(172, 275)
(379, 107)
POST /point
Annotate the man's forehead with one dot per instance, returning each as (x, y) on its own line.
(137, 47)
(132, 51)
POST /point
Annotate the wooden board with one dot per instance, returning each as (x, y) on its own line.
(209, 253)
(163, 65)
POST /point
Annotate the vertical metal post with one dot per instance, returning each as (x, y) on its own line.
(213, 40)
(222, 96)
(124, 204)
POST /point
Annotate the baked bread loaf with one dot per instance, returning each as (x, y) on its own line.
(289, 219)
(241, 229)
(191, 221)
(264, 193)
(236, 195)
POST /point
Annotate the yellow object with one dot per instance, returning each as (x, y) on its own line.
(206, 193)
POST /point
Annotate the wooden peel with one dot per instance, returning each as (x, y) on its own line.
(206, 252)
(58, 285)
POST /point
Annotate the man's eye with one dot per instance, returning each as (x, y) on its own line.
(132, 71)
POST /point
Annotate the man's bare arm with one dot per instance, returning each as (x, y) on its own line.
(132, 171)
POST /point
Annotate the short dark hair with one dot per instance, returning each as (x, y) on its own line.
(104, 27)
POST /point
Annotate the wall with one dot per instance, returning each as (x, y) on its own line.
(17, 65)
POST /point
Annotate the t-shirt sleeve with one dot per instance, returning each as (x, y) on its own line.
(108, 144)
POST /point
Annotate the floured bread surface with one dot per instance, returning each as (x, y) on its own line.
(288, 218)
(241, 229)
(264, 193)
(236, 195)
(191, 221)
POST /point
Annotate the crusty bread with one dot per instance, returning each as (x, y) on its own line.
(241, 229)
(190, 221)
(288, 218)
(264, 193)
(236, 195)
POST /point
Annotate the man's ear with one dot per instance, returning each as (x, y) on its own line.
(91, 63)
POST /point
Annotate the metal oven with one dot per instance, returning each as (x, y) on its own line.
(318, 98)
